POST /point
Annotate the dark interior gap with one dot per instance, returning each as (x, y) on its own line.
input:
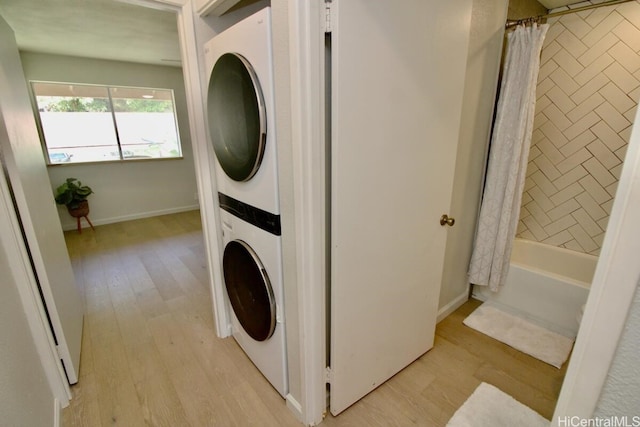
(327, 124)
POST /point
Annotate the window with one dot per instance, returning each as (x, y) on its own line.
(88, 123)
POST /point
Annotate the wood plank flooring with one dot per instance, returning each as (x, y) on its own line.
(150, 356)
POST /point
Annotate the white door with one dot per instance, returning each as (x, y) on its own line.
(23, 162)
(397, 82)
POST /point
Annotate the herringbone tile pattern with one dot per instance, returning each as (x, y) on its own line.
(588, 88)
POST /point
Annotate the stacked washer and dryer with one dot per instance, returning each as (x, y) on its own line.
(240, 114)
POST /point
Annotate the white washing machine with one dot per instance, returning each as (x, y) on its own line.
(240, 115)
(252, 269)
(240, 112)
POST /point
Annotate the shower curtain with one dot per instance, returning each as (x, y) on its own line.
(508, 157)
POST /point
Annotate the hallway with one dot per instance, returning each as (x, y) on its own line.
(150, 355)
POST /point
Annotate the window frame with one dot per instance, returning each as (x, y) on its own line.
(108, 87)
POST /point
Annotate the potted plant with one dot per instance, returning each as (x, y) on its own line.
(74, 195)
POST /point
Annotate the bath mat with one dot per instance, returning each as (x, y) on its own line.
(521, 334)
(490, 407)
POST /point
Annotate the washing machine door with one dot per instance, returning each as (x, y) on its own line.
(249, 290)
(236, 115)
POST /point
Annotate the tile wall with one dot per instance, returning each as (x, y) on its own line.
(588, 88)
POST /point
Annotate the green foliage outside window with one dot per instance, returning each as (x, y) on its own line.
(91, 123)
(101, 105)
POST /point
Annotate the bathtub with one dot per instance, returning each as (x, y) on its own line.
(546, 284)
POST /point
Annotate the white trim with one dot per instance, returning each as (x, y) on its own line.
(306, 35)
(207, 191)
(139, 215)
(14, 246)
(216, 7)
(611, 295)
(57, 413)
(295, 407)
(166, 5)
(453, 305)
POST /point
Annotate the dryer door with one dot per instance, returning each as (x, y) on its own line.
(236, 115)
(249, 290)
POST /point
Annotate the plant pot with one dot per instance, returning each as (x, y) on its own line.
(81, 210)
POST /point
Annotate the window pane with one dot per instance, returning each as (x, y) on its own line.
(86, 123)
(146, 122)
(77, 122)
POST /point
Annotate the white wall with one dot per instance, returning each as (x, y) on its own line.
(123, 190)
(25, 396)
(483, 62)
(620, 394)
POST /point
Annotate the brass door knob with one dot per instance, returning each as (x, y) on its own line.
(445, 220)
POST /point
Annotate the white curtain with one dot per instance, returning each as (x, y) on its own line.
(508, 157)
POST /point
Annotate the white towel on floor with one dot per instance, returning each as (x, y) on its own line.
(490, 407)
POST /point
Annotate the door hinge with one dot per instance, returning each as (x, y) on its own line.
(328, 375)
(328, 16)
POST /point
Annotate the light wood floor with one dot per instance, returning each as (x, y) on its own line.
(150, 356)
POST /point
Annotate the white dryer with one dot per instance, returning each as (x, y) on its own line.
(240, 112)
(240, 115)
(252, 269)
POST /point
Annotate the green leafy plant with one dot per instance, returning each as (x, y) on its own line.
(71, 193)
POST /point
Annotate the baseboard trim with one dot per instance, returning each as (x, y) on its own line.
(476, 293)
(295, 407)
(57, 413)
(453, 305)
(139, 215)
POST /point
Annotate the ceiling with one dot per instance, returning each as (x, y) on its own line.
(105, 29)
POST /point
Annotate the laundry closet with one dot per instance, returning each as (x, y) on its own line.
(331, 255)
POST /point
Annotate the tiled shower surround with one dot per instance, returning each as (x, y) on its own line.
(587, 93)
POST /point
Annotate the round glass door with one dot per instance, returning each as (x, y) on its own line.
(236, 115)
(249, 290)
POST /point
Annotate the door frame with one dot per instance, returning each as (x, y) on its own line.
(16, 250)
(15, 245)
(205, 173)
(308, 115)
(203, 158)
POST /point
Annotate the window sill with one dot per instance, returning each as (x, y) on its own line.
(101, 162)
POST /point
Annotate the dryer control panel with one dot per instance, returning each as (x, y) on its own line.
(262, 219)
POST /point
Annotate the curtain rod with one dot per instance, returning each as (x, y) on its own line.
(515, 22)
